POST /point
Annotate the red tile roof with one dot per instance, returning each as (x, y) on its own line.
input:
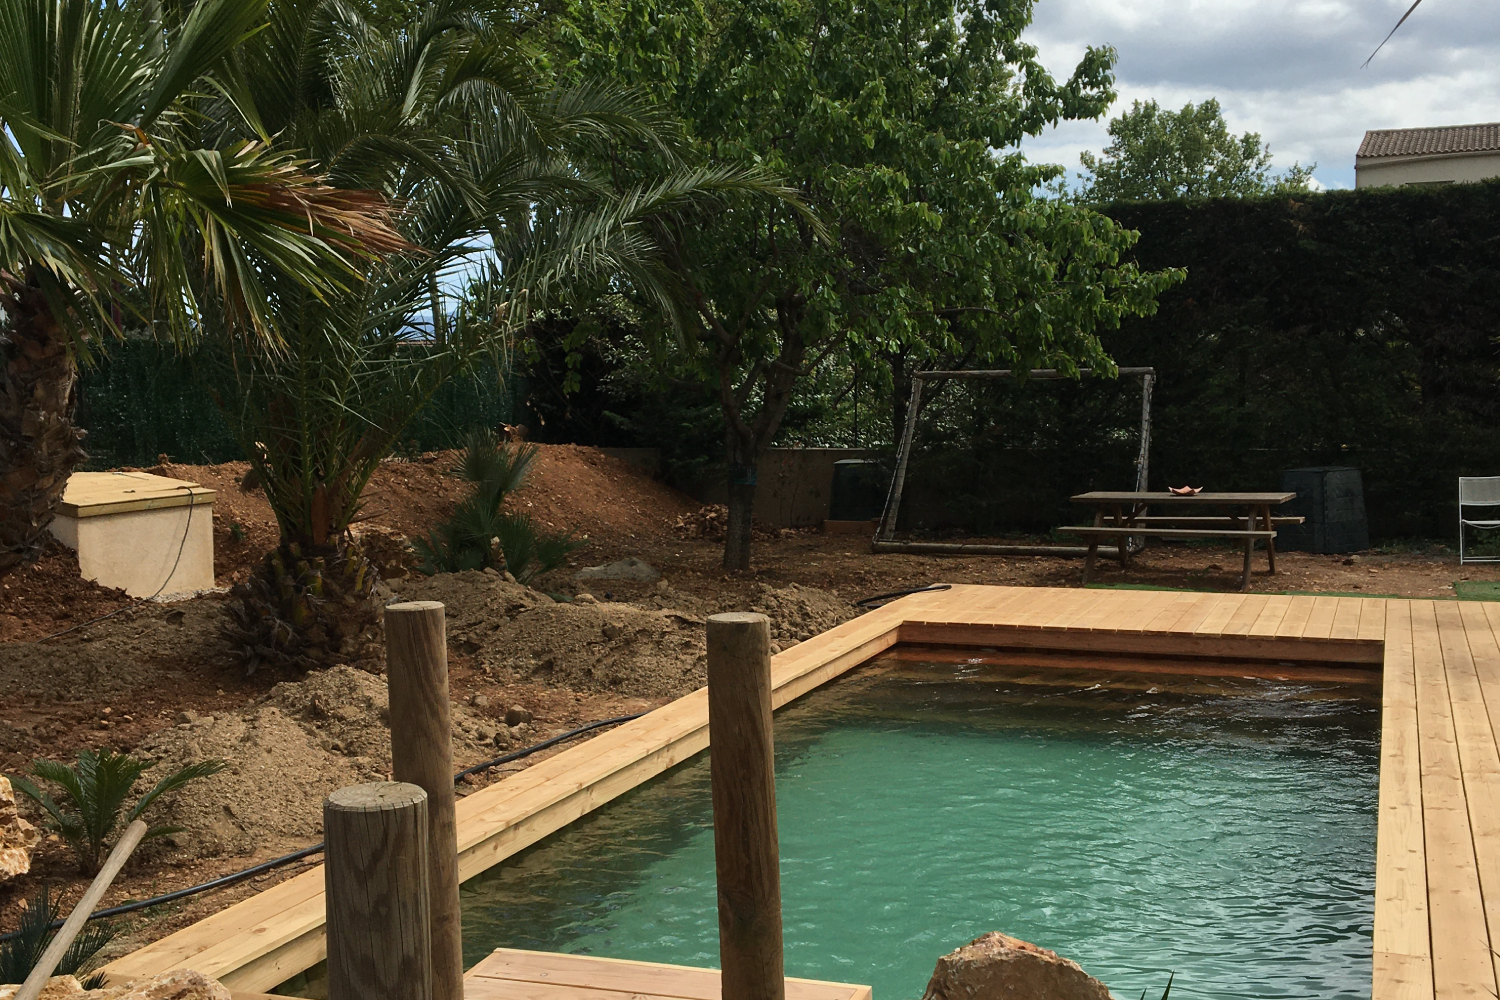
(1430, 141)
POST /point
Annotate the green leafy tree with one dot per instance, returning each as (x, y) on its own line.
(94, 791)
(1156, 154)
(897, 123)
(112, 193)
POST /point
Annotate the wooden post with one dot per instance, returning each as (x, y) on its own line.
(375, 877)
(742, 768)
(422, 753)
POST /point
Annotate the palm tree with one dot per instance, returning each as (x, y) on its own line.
(109, 193)
(495, 174)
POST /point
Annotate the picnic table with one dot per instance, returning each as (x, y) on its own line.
(1246, 517)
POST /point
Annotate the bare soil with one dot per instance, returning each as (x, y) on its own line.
(157, 680)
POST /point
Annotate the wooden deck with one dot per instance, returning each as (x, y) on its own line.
(1438, 850)
(511, 974)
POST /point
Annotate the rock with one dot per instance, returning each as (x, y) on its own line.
(625, 569)
(480, 701)
(517, 716)
(997, 967)
(17, 837)
(57, 988)
(183, 984)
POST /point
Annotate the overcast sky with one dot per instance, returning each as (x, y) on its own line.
(1288, 70)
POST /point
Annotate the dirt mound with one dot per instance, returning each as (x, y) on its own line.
(285, 754)
(711, 521)
(798, 613)
(653, 651)
(515, 633)
(49, 596)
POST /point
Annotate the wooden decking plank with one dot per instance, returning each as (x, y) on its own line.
(1130, 614)
(1345, 618)
(1320, 621)
(1294, 623)
(1246, 615)
(1193, 619)
(1402, 937)
(641, 978)
(1224, 610)
(1166, 620)
(1461, 964)
(1474, 669)
(1080, 610)
(1371, 619)
(1271, 614)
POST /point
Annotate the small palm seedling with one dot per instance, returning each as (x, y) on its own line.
(481, 533)
(94, 792)
(1167, 993)
(19, 953)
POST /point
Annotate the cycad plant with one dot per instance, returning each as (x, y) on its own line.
(20, 953)
(481, 533)
(112, 192)
(94, 791)
(447, 117)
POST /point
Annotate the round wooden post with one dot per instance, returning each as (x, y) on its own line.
(375, 876)
(742, 766)
(422, 753)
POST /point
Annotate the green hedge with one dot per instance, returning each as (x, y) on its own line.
(1353, 328)
(141, 400)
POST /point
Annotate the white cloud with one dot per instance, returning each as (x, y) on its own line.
(1288, 70)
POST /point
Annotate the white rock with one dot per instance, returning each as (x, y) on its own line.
(17, 837)
(626, 569)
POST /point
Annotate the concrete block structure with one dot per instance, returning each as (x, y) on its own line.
(144, 534)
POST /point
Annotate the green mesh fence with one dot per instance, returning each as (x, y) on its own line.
(142, 400)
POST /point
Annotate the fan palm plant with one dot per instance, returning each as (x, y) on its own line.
(96, 787)
(445, 116)
(110, 192)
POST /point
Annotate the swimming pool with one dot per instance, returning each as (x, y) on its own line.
(1221, 828)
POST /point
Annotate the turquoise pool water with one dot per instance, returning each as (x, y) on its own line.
(1221, 829)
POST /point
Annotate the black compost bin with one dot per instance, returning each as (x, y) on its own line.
(859, 488)
(1332, 498)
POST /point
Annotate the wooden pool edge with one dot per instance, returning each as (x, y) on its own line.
(1438, 661)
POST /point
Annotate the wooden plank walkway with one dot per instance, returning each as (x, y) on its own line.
(1437, 906)
(511, 974)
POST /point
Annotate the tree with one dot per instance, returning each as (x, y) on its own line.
(1156, 154)
(110, 194)
(448, 114)
(897, 123)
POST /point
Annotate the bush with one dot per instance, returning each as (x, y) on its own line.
(481, 534)
(96, 788)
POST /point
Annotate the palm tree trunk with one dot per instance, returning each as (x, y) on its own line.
(39, 444)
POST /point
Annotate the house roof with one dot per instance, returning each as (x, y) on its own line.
(1431, 141)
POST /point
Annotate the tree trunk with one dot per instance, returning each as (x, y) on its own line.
(741, 507)
(39, 444)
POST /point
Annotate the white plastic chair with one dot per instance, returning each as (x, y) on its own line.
(1481, 491)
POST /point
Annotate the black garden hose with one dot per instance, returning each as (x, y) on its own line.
(286, 859)
(868, 602)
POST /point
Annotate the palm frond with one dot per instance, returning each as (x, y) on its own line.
(178, 778)
(1392, 33)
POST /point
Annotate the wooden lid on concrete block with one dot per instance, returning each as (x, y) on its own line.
(90, 494)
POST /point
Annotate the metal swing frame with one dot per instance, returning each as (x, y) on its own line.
(885, 534)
